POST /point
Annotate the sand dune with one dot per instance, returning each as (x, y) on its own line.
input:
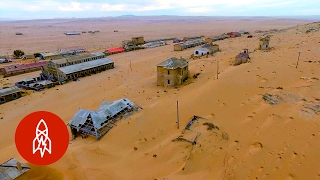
(254, 140)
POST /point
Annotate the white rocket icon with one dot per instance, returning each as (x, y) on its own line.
(42, 141)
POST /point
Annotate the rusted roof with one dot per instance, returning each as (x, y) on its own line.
(174, 63)
(19, 67)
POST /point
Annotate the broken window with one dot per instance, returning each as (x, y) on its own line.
(168, 81)
(2, 99)
(168, 72)
(14, 96)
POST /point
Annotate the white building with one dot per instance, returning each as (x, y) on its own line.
(202, 51)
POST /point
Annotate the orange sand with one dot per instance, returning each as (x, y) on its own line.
(254, 140)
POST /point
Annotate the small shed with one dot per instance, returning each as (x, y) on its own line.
(202, 51)
(18, 33)
(12, 169)
(72, 33)
(178, 47)
(28, 56)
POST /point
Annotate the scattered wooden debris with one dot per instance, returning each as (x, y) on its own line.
(211, 126)
(271, 99)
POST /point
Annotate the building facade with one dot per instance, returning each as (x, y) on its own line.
(172, 72)
(264, 42)
(202, 51)
(9, 94)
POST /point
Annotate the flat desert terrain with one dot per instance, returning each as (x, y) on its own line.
(254, 139)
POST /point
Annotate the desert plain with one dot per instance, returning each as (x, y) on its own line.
(252, 139)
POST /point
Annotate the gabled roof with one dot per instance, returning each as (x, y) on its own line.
(85, 65)
(9, 169)
(81, 116)
(174, 63)
(106, 111)
(8, 91)
(75, 58)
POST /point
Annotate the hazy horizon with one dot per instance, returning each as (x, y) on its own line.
(56, 9)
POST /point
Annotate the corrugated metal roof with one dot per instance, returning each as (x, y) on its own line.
(99, 117)
(75, 58)
(55, 53)
(19, 67)
(174, 63)
(10, 90)
(85, 65)
(9, 170)
(202, 49)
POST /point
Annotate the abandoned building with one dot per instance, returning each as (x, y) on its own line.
(28, 56)
(137, 40)
(154, 44)
(242, 57)
(97, 123)
(185, 45)
(76, 49)
(71, 60)
(72, 33)
(9, 94)
(202, 51)
(264, 42)
(13, 169)
(56, 55)
(172, 72)
(233, 34)
(206, 50)
(114, 51)
(81, 69)
(13, 70)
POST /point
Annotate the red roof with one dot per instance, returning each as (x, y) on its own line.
(115, 50)
(17, 67)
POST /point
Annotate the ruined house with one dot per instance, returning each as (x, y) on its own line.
(138, 40)
(264, 42)
(12, 169)
(242, 58)
(172, 72)
(98, 123)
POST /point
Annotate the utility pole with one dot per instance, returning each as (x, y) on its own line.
(130, 66)
(218, 69)
(298, 60)
(178, 114)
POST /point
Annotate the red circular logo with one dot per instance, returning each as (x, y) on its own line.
(42, 138)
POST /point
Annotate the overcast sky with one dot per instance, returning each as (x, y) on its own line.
(39, 9)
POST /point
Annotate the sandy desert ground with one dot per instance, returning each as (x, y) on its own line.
(254, 140)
